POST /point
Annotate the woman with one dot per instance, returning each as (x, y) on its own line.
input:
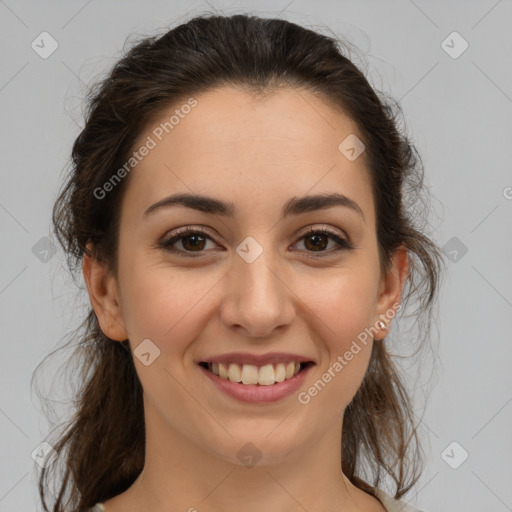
(237, 205)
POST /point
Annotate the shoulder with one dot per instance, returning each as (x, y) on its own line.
(97, 508)
(393, 505)
(390, 503)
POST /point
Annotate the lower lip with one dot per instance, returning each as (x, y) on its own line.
(256, 393)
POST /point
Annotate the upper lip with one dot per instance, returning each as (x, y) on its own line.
(256, 359)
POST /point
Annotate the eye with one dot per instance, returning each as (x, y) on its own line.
(194, 240)
(318, 239)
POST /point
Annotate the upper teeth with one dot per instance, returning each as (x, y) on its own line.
(252, 374)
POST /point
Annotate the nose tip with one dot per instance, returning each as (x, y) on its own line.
(257, 301)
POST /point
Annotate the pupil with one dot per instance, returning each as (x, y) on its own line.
(195, 244)
(316, 244)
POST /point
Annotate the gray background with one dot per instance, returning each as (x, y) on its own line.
(459, 113)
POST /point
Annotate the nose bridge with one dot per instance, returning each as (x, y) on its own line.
(258, 299)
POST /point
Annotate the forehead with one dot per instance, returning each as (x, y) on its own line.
(231, 144)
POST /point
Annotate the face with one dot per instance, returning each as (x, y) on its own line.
(252, 280)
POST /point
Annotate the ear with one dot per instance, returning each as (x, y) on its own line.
(104, 297)
(390, 290)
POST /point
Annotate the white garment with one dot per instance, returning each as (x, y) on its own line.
(390, 504)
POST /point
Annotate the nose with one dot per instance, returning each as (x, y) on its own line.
(258, 299)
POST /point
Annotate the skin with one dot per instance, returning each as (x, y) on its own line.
(257, 153)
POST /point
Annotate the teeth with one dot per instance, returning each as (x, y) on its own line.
(252, 374)
(266, 375)
(223, 372)
(290, 370)
(280, 373)
(249, 373)
(234, 374)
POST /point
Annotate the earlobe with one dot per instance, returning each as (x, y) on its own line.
(104, 298)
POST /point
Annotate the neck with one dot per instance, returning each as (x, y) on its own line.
(180, 475)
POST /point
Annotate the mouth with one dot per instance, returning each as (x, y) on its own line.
(259, 375)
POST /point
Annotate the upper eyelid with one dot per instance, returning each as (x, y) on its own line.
(184, 231)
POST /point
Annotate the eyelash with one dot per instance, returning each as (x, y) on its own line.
(185, 232)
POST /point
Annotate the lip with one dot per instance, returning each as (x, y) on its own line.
(257, 359)
(256, 393)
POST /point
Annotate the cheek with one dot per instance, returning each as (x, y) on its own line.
(343, 308)
(163, 304)
(344, 303)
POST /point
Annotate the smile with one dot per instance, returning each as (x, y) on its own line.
(249, 374)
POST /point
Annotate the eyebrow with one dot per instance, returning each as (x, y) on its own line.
(295, 206)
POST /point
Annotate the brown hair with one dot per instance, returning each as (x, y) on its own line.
(105, 438)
